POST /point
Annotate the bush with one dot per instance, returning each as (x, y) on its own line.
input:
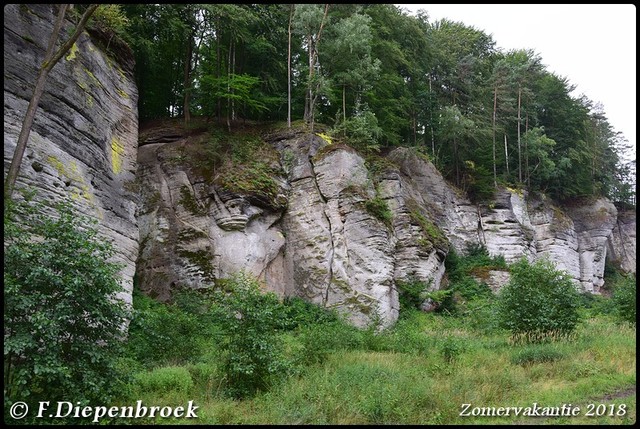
(624, 299)
(297, 312)
(539, 303)
(537, 353)
(62, 321)
(165, 379)
(320, 340)
(253, 359)
(452, 348)
(361, 130)
(411, 293)
(167, 333)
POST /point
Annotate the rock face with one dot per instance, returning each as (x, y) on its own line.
(576, 238)
(83, 143)
(338, 254)
(338, 235)
(622, 241)
(326, 240)
(194, 232)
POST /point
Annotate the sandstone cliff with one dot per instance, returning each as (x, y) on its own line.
(319, 235)
(83, 142)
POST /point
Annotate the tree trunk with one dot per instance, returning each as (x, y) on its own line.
(455, 159)
(313, 56)
(495, 105)
(307, 101)
(219, 64)
(187, 79)
(50, 60)
(233, 73)
(519, 151)
(506, 152)
(344, 103)
(526, 153)
(289, 71)
(229, 86)
(433, 139)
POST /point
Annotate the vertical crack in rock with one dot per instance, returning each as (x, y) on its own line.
(314, 175)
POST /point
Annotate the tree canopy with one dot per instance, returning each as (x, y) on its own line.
(441, 85)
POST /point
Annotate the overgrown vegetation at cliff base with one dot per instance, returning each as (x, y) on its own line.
(257, 360)
(62, 321)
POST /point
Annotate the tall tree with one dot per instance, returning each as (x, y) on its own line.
(51, 58)
(289, 69)
(309, 21)
(348, 57)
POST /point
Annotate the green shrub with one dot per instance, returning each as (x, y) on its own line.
(452, 348)
(320, 339)
(361, 130)
(624, 299)
(62, 322)
(297, 312)
(411, 293)
(109, 17)
(164, 380)
(253, 351)
(539, 303)
(161, 334)
(536, 353)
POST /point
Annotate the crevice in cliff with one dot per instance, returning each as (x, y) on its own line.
(624, 250)
(325, 297)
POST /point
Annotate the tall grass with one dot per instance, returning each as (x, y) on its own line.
(421, 371)
(386, 379)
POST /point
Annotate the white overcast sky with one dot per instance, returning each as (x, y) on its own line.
(594, 46)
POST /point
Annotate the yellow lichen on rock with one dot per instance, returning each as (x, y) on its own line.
(117, 151)
(72, 173)
(324, 137)
(122, 93)
(72, 52)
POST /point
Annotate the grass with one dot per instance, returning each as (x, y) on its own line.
(422, 371)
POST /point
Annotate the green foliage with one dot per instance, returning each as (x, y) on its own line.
(320, 340)
(244, 164)
(297, 312)
(239, 88)
(624, 299)
(469, 296)
(452, 347)
(536, 353)
(379, 209)
(388, 78)
(411, 293)
(431, 235)
(361, 131)
(62, 320)
(539, 303)
(176, 333)
(110, 17)
(253, 359)
(165, 379)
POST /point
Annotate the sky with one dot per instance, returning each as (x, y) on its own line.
(594, 46)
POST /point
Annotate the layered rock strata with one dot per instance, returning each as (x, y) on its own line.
(83, 143)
